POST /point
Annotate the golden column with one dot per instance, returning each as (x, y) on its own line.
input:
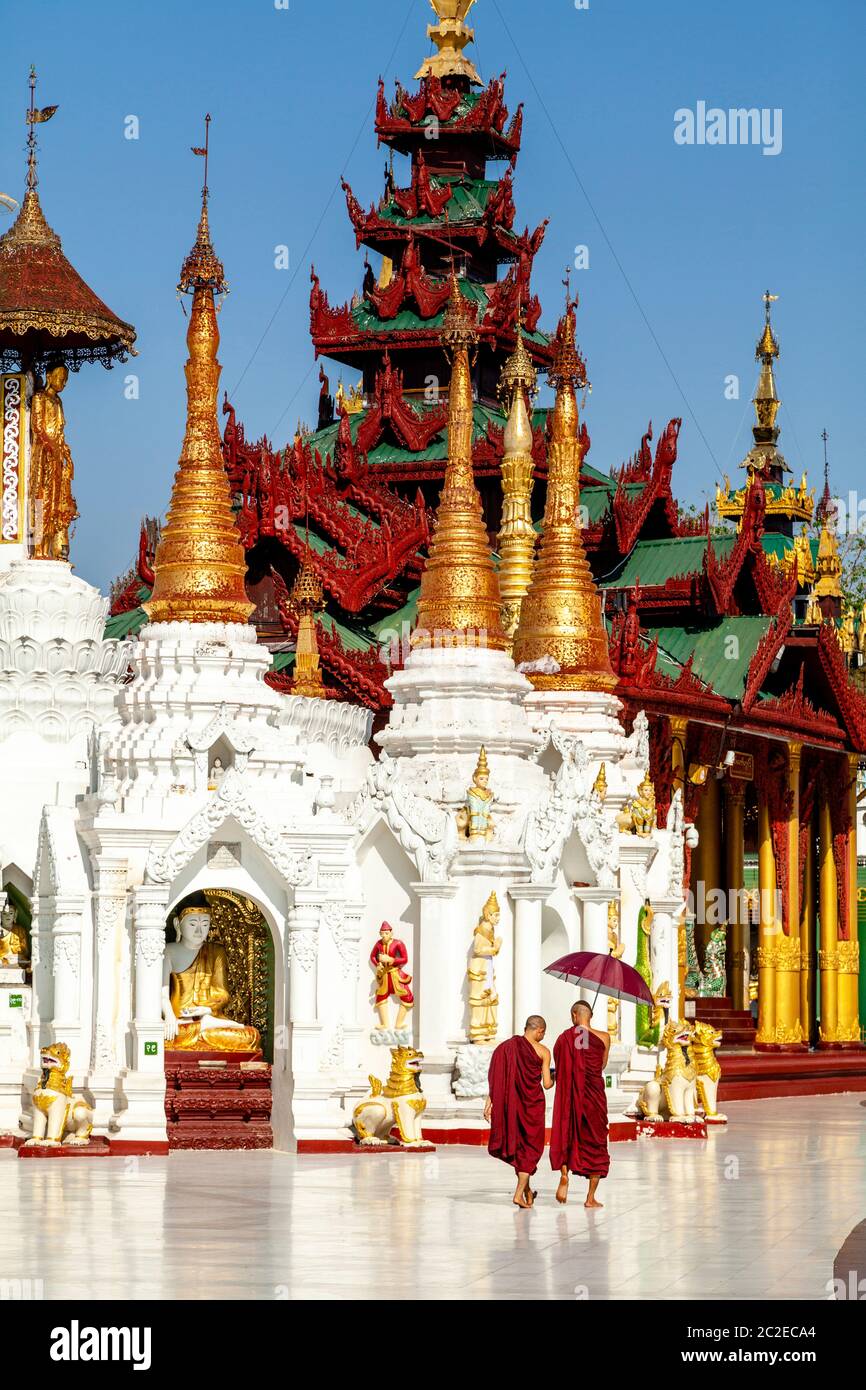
(738, 928)
(709, 858)
(769, 930)
(200, 564)
(849, 948)
(561, 616)
(459, 603)
(518, 383)
(679, 727)
(789, 1027)
(808, 931)
(828, 903)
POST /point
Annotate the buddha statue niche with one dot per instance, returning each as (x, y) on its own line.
(195, 990)
(14, 949)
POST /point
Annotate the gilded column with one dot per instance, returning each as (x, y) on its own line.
(517, 535)
(849, 946)
(789, 1028)
(828, 904)
(808, 932)
(738, 923)
(769, 929)
(709, 826)
(679, 727)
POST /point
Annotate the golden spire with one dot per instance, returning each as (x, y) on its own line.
(459, 600)
(828, 566)
(561, 615)
(200, 563)
(450, 35)
(766, 401)
(306, 597)
(518, 381)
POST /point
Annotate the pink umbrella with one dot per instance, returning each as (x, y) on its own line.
(605, 974)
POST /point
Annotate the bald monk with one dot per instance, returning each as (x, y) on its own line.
(514, 1109)
(578, 1134)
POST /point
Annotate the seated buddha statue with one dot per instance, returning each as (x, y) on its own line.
(195, 990)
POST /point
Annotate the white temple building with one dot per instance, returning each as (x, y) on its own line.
(166, 770)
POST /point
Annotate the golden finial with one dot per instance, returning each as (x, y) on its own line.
(482, 768)
(451, 35)
(516, 543)
(200, 564)
(561, 617)
(519, 372)
(459, 599)
(599, 786)
(766, 401)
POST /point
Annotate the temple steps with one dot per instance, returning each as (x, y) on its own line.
(224, 1106)
(749, 1075)
(737, 1025)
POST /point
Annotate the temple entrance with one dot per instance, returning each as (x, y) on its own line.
(220, 969)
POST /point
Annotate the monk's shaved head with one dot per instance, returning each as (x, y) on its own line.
(534, 1021)
(581, 1010)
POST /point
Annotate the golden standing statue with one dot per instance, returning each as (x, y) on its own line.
(474, 819)
(483, 999)
(52, 506)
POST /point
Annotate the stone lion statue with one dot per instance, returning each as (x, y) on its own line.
(398, 1104)
(56, 1111)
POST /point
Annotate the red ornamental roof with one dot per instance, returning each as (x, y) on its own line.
(47, 312)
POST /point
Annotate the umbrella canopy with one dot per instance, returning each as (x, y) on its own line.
(604, 974)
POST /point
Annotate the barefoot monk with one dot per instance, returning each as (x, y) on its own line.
(519, 1069)
(578, 1135)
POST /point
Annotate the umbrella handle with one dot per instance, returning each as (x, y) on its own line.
(598, 991)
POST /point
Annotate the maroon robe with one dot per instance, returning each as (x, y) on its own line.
(578, 1134)
(517, 1098)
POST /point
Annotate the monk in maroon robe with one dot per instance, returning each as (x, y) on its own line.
(519, 1069)
(578, 1135)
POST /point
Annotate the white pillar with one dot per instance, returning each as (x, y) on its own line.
(594, 907)
(109, 912)
(665, 946)
(148, 1030)
(528, 899)
(432, 994)
(302, 926)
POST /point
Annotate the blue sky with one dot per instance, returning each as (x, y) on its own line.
(682, 240)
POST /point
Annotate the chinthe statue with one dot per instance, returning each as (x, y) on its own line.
(195, 990)
(483, 999)
(474, 820)
(52, 506)
(388, 957)
(59, 1117)
(14, 947)
(639, 816)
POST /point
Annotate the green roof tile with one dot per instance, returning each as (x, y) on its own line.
(723, 654)
(653, 563)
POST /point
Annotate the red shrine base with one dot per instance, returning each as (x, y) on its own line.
(762, 1075)
(217, 1107)
(96, 1148)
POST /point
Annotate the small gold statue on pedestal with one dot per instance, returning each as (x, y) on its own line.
(639, 816)
(616, 948)
(52, 506)
(474, 820)
(483, 999)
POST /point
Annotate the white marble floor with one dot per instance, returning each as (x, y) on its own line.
(758, 1211)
